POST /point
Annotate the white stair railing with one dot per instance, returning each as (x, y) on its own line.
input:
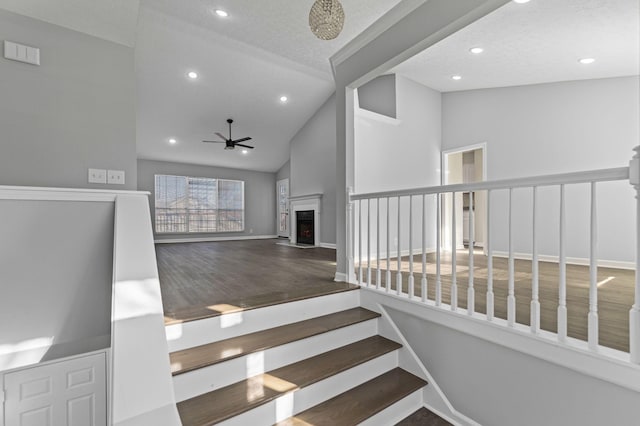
(407, 208)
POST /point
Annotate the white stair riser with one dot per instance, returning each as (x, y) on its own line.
(303, 399)
(206, 379)
(196, 333)
(396, 412)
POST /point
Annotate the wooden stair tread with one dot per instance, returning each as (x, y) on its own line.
(423, 417)
(360, 403)
(201, 356)
(229, 401)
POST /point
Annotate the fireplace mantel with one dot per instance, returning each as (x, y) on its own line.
(301, 203)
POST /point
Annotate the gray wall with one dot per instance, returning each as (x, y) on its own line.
(259, 192)
(554, 128)
(313, 165)
(524, 390)
(56, 274)
(75, 111)
(379, 95)
(284, 172)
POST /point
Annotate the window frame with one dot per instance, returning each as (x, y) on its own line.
(187, 232)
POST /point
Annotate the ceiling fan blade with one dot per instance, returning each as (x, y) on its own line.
(220, 136)
(241, 140)
(214, 141)
(243, 145)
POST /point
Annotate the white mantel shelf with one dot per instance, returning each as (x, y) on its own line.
(303, 203)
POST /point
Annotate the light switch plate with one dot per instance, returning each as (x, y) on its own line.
(97, 176)
(21, 53)
(115, 177)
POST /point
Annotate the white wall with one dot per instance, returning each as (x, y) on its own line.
(496, 386)
(400, 154)
(55, 279)
(554, 128)
(73, 112)
(313, 165)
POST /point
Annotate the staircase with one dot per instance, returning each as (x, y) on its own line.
(319, 361)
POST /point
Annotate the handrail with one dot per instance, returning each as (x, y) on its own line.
(602, 175)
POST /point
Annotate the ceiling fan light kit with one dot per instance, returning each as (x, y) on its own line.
(326, 19)
(229, 142)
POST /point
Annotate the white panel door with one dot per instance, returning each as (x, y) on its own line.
(71, 393)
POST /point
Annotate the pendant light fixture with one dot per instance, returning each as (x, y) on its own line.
(326, 19)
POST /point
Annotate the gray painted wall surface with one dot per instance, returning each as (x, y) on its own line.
(313, 165)
(259, 192)
(379, 95)
(56, 276)
(75, 111)
(554, 128)
(524, 390)
(284, 172)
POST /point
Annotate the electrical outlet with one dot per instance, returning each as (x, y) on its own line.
(115, 177)
(97, 176)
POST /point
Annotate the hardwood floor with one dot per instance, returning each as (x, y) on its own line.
(204, 279)
(423, 417)
(200, 280)
(615, 292)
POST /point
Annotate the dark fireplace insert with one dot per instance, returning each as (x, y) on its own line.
(304, 227)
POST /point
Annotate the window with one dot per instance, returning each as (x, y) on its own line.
(191, 204)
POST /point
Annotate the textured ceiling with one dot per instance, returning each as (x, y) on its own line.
(536, 42)
(113, 20)
(277, 26)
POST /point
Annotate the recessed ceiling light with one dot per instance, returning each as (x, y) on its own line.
(456, 77)
(521, 1)
(245, 151)
(587, 61)
(221, 13)
(476, 50)
(172, 141)
(283, 99)
(192, 75)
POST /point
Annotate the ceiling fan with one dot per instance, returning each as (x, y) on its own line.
(230, 143)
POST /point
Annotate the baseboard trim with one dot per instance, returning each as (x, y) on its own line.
(341, 277)
(570, 260)
(214, 239)
(328, 245)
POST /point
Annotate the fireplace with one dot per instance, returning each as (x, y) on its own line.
(305, 227)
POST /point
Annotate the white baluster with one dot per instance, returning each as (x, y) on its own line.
(411, 289)
(471, 295)
(454, 284)
(378, 273)
(350, 238)
(634, 314)
(511, 298)
(438, 244)
(535, 301)
(423, 282)
(399, 248)
(562, 302)
(368, 242)
(388, 273)
(490, 295)
(360, 242)
(593, 275)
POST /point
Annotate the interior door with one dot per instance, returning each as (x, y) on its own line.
(282, 189)
(71, 392)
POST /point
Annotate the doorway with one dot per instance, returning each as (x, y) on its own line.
(282, 194)
(465, 165)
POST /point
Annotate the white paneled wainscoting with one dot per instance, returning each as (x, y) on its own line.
(553, 217)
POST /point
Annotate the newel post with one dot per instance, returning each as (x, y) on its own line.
(634, 314)
(351, 274)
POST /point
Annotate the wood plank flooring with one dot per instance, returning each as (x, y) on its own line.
(615, 292)
(361, 402)
(423, 417)
(212, 353)
(200, 280)
(224, 403)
